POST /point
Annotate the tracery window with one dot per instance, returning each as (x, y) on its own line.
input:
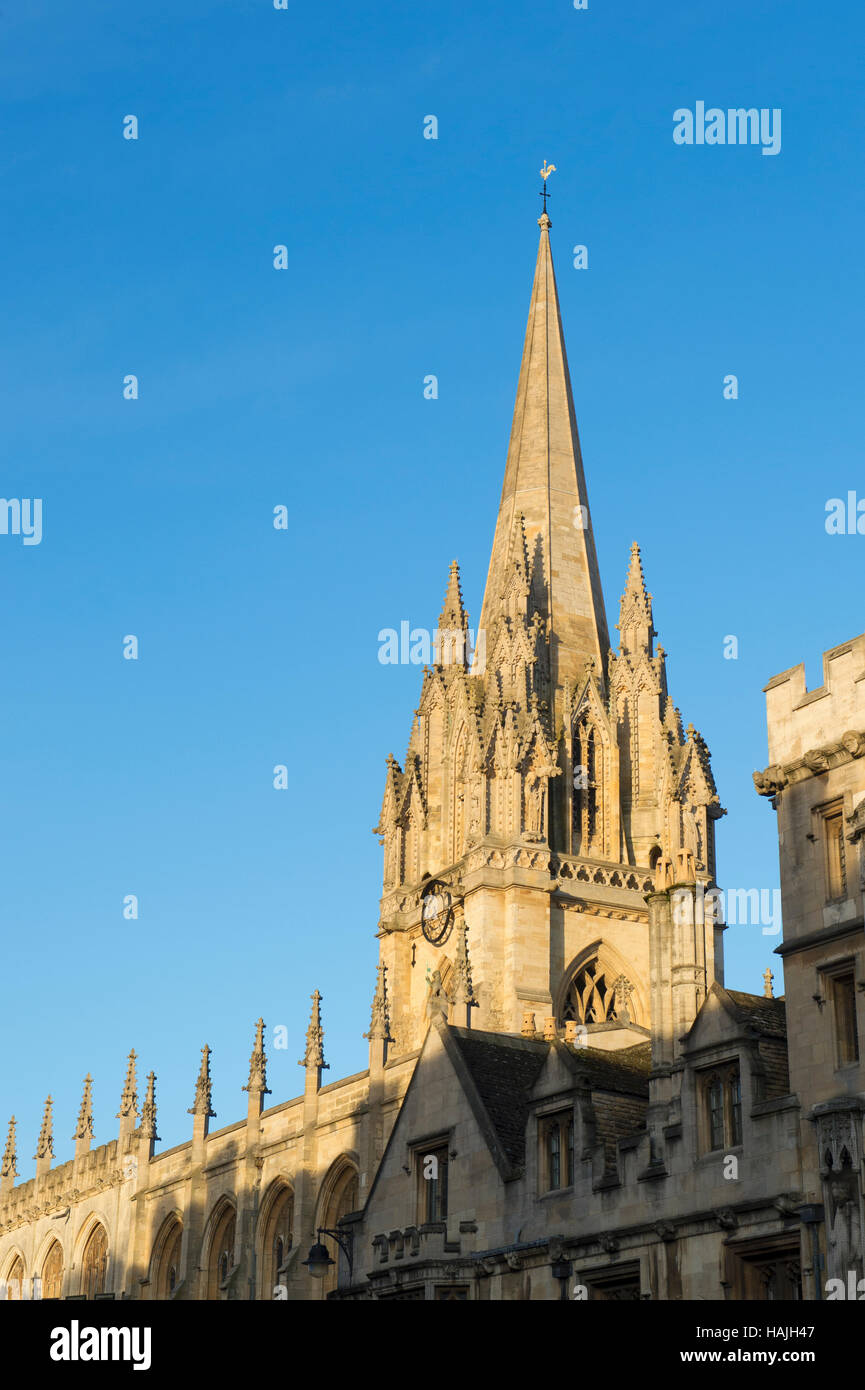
(52, 1272)
(94, 1263)
(15, 1280)
(591, 997)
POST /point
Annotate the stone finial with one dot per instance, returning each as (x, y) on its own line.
(379, 1027)
(623, 989)
(313, 1056)
(257, 1083)
(550, 1032)
(768, 977)
(528, 1028)
(451, 641)
(463, 990)
(129, 1098)
(147, 1127)
(84, 1127)
(9, 1167)
(45, 1143)
(203, 1086)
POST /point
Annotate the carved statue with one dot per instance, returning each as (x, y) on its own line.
(437, 1000)
(536, 799)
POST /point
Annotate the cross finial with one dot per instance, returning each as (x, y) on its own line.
(546, 170)
(768, 977)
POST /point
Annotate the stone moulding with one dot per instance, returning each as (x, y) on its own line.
(812, 763)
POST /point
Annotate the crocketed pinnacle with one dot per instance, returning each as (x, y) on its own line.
(257, 1082)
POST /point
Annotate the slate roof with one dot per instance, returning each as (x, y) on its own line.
(624, 1071)
(504, 1069)
(768, 1016)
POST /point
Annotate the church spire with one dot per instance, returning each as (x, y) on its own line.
(544, 483)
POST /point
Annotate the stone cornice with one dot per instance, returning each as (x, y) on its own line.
(34, 1210)
(813, 763)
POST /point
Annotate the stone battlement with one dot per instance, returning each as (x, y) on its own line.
(801, 720)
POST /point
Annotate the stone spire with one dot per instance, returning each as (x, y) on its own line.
(203, 1086)
(9, 1167)
(257, 1083)
(84, 1128)
(45, 1144)
(544, 481)
(313, 1057)
(147, 1127)
(379, 1028)
(635, 611)
(129, 1100)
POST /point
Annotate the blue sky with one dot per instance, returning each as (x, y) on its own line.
(304, 387)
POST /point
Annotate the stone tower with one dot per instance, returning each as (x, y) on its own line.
(549, 785)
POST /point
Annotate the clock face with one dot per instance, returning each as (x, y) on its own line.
(435, 921)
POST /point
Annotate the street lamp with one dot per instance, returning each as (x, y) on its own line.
(318, 1261)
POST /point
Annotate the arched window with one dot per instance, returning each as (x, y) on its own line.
(341, 1198)
(459, 792)
(52, 1272)
(94, 1263)
(277, 1238)
(166, 1274)
(221, 1260)
(15, 1279)
(588, 754)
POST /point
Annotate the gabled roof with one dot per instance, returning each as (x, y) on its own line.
(503, 1069)
(768, 1016)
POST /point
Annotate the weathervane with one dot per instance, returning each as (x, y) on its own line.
(545, 174)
